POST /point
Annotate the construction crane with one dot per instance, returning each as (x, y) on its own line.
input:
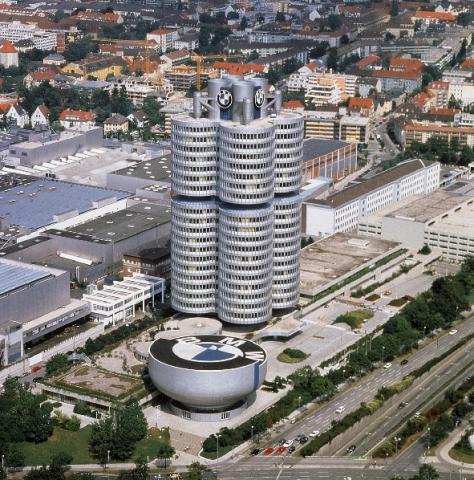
(199, 58)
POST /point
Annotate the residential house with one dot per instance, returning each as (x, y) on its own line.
(116, 123)
(54, 59)
(241, 69)
(40, 116)
(139, 119)
(8, 54)
(429, 18)
(76, 118)
(361, 106)
(17, 114)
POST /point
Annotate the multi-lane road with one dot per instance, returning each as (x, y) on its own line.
(365, 389)
(342, 468)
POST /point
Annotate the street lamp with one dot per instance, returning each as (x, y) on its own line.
(251, 428)
(3, 461)
(217, 450)
(428, 430)
(108, 457)
(397, 439)
(299, 402)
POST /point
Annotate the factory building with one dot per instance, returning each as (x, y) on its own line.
(342, 211)
(442, 220)
(34, 301)
(236, 178)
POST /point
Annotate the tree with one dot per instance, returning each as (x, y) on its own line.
(280, 17)
(57, 363)
(319, 50)
(59, 15)
(334, 22)
(389, 37)
(332, 59)
(196, 471)
(426, 472)
(425, 250)
(118, 433)
(165, 452)
(101, 439)
(80, 49)
(152, 109)
(243, 23)
(394, 8)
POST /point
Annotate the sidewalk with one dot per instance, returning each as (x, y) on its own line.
(442, 453)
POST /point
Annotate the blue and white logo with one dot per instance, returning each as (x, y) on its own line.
(224, 99)
(196, 349)
(259, 98)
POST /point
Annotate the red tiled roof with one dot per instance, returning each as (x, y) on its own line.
(8, 47)
(467, 64)
(292, 105)
(239, 68)
(356, 103)
(421, 98)
(160, 31)
(78, 115)
(438, 85)
(43, 75)
(444, 16)
(444, 111)
(407, 74)
(369, 60)
(406, 63)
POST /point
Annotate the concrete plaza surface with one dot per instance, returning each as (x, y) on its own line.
(319, 338)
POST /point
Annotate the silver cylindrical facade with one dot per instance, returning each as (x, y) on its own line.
(193, 255)
(194, 149)
(245, 268)
(289, 132)
(286, 250)
(237, 254)
(246, 163)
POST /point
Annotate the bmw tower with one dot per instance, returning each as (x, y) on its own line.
(236, 176)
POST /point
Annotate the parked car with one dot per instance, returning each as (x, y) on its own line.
(402, 405)
(453, 332)
(404, 361)
(387, 365)
(314, 434)
(291, 449)
(288, 443)
(351, 449)
(340, 409)
(303, 439)
(255, 451)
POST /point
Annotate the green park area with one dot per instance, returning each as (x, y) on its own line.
(355, 319)
(77, 444)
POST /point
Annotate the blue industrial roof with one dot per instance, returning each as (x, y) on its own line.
(34, 205)
(15, 275)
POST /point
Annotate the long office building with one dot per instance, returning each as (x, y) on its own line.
(342, 210)
(236, 208)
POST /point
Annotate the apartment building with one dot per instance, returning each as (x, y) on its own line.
(16, 31)
(342, 211)
(164, 37)
(324, 88)
(414, 131)
(332, 125)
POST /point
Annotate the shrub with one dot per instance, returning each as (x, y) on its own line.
(81, 408)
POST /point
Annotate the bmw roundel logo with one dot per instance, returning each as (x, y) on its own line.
(224, 99)
(259, 98)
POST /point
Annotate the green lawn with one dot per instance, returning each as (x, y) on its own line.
(77, 444)
(461, 455)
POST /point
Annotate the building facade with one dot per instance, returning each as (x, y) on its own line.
(235, 208)
(341, 211)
